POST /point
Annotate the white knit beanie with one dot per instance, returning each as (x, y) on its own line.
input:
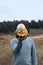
(21, 26)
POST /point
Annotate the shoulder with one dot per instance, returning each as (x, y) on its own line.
(30, 40)
(13, 43)
(14, 40)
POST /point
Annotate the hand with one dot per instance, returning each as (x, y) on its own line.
(20, 39)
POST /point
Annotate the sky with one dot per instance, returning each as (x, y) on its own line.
(21, 10)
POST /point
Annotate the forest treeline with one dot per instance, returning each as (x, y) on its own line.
(10, 26)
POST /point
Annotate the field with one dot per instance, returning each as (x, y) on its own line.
(6, 52)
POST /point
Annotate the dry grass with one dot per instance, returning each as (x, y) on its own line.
(39, 49)
(6, 52)
(36, 32)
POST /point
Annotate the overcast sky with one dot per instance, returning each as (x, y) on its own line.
(21, 10)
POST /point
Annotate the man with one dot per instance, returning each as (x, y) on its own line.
(24, 51)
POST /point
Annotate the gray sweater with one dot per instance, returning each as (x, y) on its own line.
(27, 54)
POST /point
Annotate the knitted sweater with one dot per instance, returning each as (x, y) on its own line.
(27, 54)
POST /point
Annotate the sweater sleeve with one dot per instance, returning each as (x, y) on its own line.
(13, 44)
(33, 53)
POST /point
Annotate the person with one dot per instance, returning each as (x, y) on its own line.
(23, 47)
